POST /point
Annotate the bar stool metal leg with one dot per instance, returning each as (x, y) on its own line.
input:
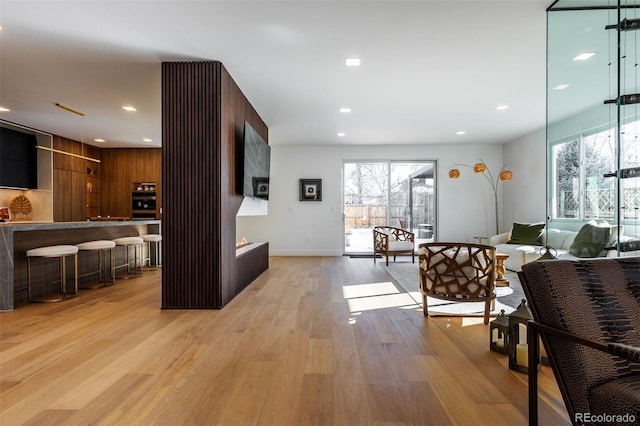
(127, 243)
(60, 252)
(156, 239)
(102, 247)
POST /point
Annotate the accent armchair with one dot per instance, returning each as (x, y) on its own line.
(587, 313)
(458, 272)
(389, 240)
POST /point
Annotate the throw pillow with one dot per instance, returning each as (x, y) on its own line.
(526, 233)
(590, 241)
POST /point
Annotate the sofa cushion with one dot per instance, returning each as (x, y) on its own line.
(518, 255)
(526, 233)
(591, 240)
(400, 245)
(558, 238)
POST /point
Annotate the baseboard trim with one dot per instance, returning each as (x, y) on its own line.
(305, 253)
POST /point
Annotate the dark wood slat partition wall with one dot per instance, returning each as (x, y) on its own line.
(190, 169)
(233, 113)
(203, 113)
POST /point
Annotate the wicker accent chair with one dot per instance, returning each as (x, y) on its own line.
(587, 314)
(458, 272)
(389, 240)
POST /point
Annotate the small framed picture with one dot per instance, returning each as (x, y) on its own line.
(4, 214)
(260, 187)
(310, 189)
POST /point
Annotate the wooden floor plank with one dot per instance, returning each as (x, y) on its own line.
(314, 340)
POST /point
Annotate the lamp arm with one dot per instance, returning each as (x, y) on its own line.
(494, 183)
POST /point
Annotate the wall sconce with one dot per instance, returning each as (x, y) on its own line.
(481, 167)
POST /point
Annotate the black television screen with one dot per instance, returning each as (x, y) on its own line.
(255, 158)
(18, 159)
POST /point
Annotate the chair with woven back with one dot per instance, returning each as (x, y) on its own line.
(587, 313)
(459, 272)
(391, 241)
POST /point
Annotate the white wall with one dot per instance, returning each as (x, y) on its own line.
(525, 196)
(41, 203)
(465, 205)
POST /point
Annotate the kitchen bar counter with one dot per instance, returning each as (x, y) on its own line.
(18, 237)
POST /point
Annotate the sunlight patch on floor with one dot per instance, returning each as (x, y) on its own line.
(380, 302)
(469, 321)
(367, 290)
(370, 296)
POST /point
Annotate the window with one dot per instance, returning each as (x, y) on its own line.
(395, 193)
(580, 189)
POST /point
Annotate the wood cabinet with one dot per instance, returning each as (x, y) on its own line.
(72, 178)
(121, 170)
(93, 189)
(144, 201)
(84, 189)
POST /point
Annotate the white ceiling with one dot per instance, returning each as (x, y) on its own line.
(429, 68)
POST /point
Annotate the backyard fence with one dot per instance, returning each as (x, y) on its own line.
(600, 204)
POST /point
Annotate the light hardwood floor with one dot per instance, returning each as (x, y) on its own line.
(314, 340)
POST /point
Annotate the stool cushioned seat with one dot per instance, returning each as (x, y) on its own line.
(52, 251)
(96, 245)
(125, 241)
(152, 237)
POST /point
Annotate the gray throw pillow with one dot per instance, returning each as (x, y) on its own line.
(590, 241)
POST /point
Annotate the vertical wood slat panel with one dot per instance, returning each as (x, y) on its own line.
(203, 113)
(235, 110)
(231, 132)
(190, 161)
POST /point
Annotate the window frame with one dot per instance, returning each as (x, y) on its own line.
(553, 181)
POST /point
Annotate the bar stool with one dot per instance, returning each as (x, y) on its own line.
(128, 242)
(155, 239)
(105, 249)
(61, 252)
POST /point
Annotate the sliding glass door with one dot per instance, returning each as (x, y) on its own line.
(394, 193)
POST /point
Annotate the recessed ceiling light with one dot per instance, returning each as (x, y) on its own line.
(584, 56)
(345, 109)
(502, 107)
(561, 87)
(341, 134)
(3, 109)
(352, 62)
(147, 140)
(99, 140)
(461, 132)
(128, 108)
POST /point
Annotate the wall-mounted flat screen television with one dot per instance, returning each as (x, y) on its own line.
(254, 159)
(18, 159)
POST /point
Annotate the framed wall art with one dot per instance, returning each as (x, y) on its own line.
(310, 189)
